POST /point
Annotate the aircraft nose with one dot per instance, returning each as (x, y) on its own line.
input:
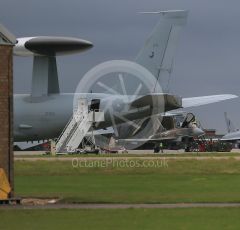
(198, 132)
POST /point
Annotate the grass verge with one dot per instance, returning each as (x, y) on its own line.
(180, 181)
(193, 218)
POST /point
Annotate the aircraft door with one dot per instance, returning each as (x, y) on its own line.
(95, 105)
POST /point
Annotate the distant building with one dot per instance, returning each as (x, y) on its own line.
(211, 134)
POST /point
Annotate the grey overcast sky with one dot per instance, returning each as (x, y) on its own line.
(207, 60)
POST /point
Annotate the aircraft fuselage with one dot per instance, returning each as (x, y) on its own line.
(45, 117)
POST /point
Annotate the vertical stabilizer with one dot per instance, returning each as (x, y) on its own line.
(230, 126)
(158, 52)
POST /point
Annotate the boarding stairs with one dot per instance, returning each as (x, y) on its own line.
(77, 127)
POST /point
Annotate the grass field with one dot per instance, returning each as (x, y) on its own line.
(182, 181)
(194, 218)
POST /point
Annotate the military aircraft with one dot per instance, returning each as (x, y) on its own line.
(177, 126)
(44, 112)
(233, 133)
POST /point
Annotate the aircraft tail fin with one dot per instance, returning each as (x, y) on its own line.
(230, 126)
(158, 52)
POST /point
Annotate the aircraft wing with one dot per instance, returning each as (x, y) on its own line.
(147, 139)
(231, 136)
(204, 100)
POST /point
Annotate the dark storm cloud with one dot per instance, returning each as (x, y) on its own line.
(207, 61)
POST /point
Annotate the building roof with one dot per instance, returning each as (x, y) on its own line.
(6, 37)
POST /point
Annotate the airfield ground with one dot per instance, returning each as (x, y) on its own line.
(194, 218)
(206, 179)
(121, 181)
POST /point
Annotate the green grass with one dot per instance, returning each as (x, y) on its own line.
(193, 218)
(182, 181)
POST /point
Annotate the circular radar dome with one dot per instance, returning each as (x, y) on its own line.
(50, 46)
